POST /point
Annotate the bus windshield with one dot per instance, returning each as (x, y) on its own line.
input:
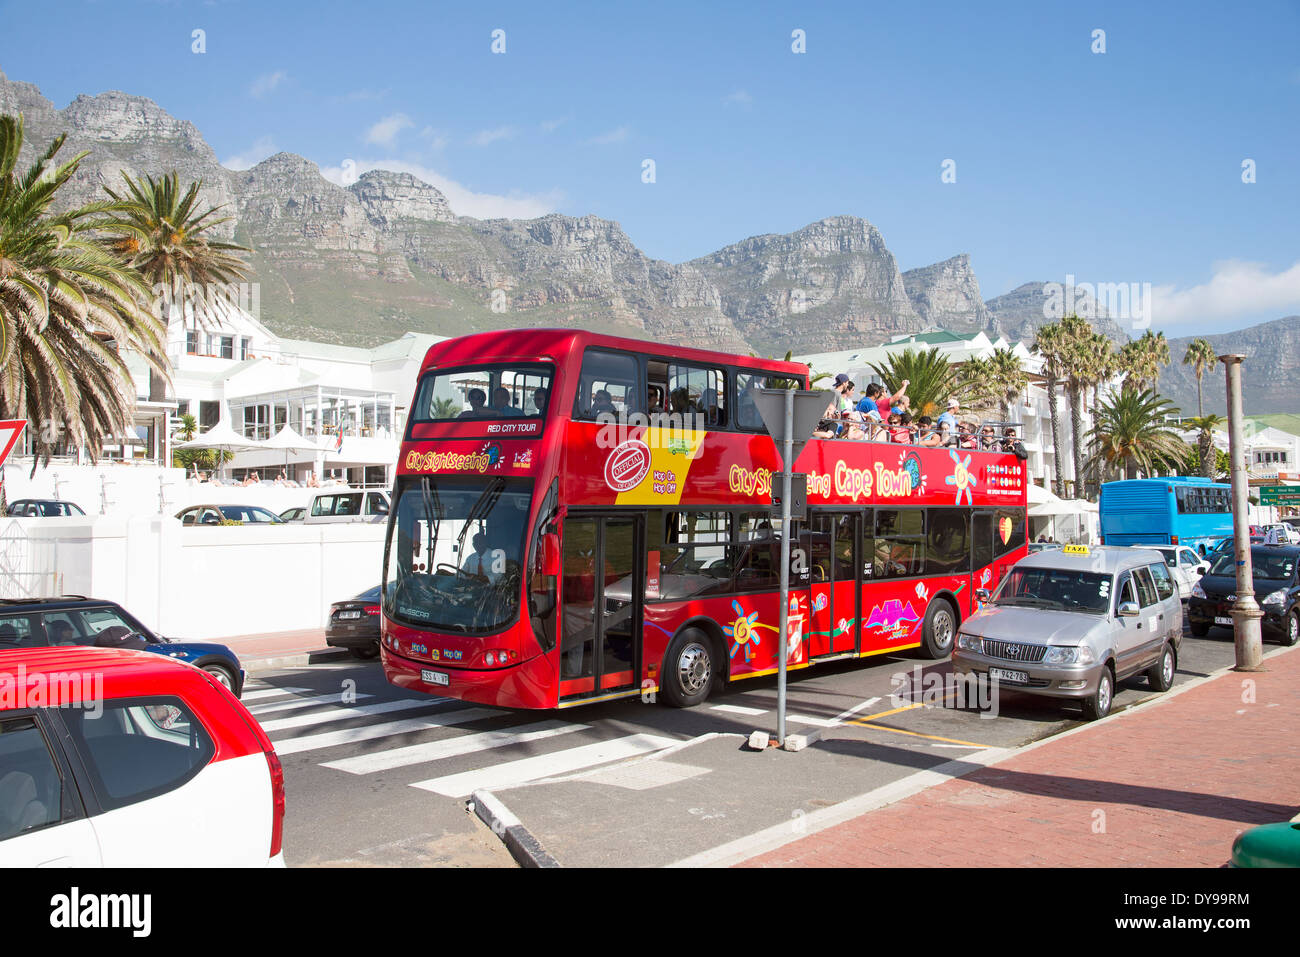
(454, 554)
(504, 391)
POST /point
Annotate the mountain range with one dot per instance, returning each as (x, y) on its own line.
(362, 264)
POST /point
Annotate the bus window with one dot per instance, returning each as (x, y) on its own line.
(607, 385)
(747, 386)
(1008, 530)
(900, 543)
(696, 555)
(484, 392)
(700, 391)
(948, 546)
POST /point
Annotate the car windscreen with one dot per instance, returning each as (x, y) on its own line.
(1057, 589)
(1268, 564)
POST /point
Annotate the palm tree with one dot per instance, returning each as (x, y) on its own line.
(445, 408)
(1205, 426)
(68, 307)
(1200, 355)
(161, 234)
(931, 380)
(975, 384)
(1103, 365)
(1050, 344)
(1142, 360)
(1008, 377)
(1077, 362)
(1129, 433)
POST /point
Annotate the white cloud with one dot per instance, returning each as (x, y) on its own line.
(550, 126)
(617, 135)
(384, 133)
(436, 140)
(740, 97)
(260, 150)
(1237, 290)
(487, 137)
(463, 200)
(267, 82)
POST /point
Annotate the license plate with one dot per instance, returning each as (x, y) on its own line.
(1002, 674)
(347, 615)
(434, 677)
(1222, 620)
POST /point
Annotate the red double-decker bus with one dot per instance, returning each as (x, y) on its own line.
(579, 517)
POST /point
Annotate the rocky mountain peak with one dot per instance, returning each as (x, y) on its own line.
(389, 196)
(947, 294)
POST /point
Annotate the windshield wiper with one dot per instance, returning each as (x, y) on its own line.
(485, 503)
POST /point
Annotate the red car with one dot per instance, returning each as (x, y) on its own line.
(120, 758)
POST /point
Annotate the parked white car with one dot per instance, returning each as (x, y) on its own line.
(347, 506)
(1184, 564)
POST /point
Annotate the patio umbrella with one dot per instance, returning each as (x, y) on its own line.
(290, 441)
(221, 438)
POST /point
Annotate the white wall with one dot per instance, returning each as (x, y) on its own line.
(197, 583)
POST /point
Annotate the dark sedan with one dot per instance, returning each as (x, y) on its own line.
(1277, 589)
(354, 624)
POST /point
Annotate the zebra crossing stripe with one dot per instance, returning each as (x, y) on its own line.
(451, 747)
(296, 703)
(330, 739)
(737, 709)
(343, 713)
(545, 765)
(268, 693)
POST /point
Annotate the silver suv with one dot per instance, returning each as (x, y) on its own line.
(1072, 623)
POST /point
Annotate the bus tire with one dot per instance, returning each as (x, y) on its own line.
(939, 630)
(690, 666)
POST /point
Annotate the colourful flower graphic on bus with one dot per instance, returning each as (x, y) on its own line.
(744, 630)
(961, 477)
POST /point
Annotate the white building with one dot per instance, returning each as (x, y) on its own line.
(1031, 413)
(233, 366)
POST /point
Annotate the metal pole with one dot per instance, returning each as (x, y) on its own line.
(782, 640)
(1245, 611)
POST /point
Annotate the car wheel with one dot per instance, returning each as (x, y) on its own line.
(940, 627)
(1198, 630)
(1161, 675)
(222, 674)
(366, 653)
(1292, 633)
(1097, 705)
(688, 669)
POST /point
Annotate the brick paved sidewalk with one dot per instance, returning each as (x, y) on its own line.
(1169, 784)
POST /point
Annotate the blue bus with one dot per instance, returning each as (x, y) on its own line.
(1180, 510)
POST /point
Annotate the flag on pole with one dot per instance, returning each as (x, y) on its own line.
(338, 445)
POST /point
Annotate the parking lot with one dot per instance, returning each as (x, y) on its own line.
(377, 776)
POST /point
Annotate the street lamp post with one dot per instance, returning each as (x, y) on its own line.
(1245, 611)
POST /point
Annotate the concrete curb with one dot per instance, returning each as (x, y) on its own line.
(259, 665)
(521, 844)
(777, 836)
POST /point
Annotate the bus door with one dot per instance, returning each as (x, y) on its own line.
(602, 591)
(833, 591)
(983, 573)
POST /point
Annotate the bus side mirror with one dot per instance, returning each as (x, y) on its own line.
(551, 555)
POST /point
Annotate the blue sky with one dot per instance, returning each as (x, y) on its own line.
(1123, 166)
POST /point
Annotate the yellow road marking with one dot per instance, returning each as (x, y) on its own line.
(886, 714)
(867, 722)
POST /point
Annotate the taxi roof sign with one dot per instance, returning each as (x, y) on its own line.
(1076, 550)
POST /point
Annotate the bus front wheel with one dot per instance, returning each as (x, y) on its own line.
(688, 669)
(939, 630)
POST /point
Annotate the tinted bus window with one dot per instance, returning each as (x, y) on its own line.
(607, 385)
(695, 390)
(948, 544)
(1008, 530)
(747, 386)
(900, 543)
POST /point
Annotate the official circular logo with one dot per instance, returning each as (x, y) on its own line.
(627, 465)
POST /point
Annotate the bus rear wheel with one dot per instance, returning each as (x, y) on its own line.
(939, 630)
(688, 669)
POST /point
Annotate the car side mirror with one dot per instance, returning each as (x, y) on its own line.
(1202, 569)
(1129, 609)
(983, 594)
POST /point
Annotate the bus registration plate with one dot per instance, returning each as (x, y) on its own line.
(434, 677)
(1003, 674)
